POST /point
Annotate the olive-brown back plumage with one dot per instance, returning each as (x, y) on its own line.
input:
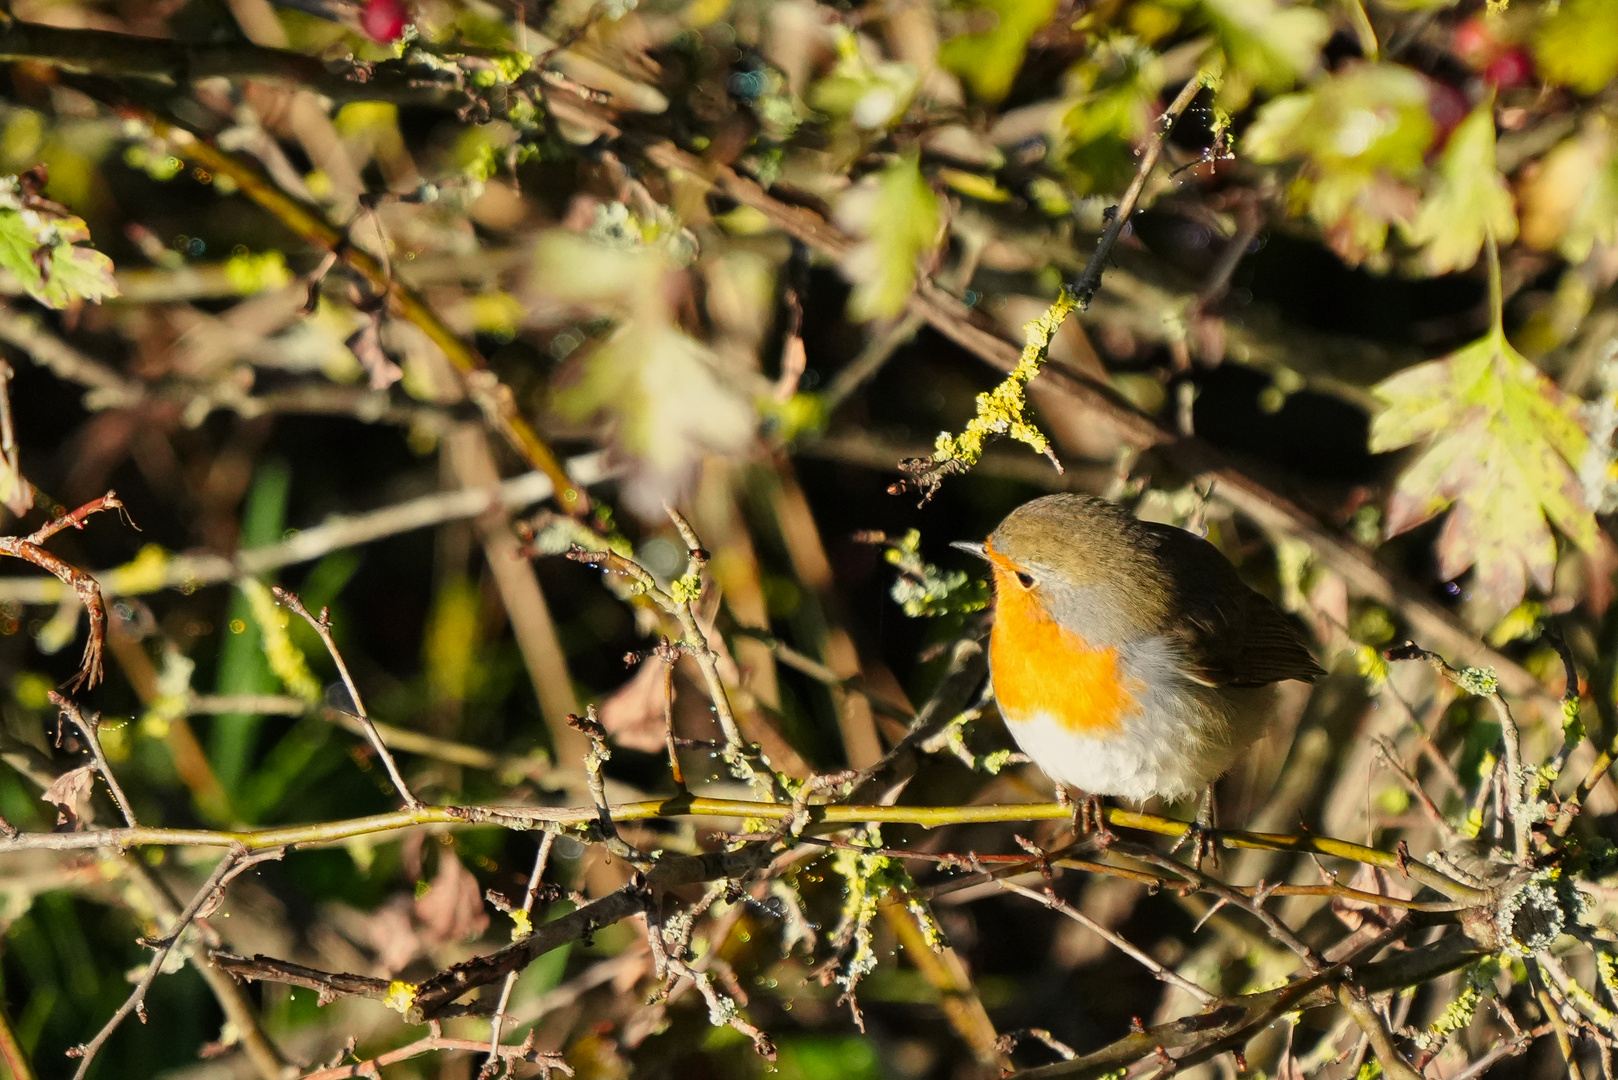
(1123, 579)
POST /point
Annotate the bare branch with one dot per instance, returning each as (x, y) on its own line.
(322, 626)
(336, 533)
(235, 861)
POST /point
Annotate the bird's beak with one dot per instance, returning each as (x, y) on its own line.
(969, 546)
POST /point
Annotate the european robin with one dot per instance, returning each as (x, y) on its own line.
(1127, 657)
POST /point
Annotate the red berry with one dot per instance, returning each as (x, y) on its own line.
(1509, 69)
(384, 20)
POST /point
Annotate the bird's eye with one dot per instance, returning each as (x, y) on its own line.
(1025, 579)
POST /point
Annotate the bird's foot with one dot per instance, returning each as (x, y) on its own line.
(1204, 841)
(1089, 816)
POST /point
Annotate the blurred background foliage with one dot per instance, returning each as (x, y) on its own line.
(1305, 289)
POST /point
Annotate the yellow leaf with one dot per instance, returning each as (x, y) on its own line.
(1469, 201)
(1500, 456)
(452, 641)
(1570, 198)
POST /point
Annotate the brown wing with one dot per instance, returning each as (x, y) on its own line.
(1232, 635)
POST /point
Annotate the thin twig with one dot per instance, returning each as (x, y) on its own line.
(548, 1061)
(696, 642)
(1089, 280)
(1253, 905)
(322, 626)
(87, 728)
(534, 767)
(1393, 1063)
(1008, 1042)
(1486, 684)
(745, 760)
(597, 756)
(1500, 1051)
(1159, 972)
(535, 876)
(1553, 1015)
(1413, 786)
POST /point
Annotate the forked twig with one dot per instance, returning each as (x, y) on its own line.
(746, 761)
(548, 1062)
(1484, 683)
(206, 900)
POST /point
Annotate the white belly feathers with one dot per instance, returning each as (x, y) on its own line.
(1179, 737)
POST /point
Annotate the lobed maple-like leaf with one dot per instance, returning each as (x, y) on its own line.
(1501, 453)
(665, 396)
(1109, 105)
(1269, 45)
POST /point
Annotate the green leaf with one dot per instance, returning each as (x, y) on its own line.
(1501, 452)
(39, 244)
(1364, 116)
(1109, 107)
(1269, 45)
(898, 213)
(1469, 201)
(1578, 46)
(871, 95)
(988, 61)
(1360, 133)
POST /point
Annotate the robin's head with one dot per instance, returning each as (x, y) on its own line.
(1081, 560)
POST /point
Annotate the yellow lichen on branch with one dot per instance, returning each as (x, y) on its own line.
(1001, 411)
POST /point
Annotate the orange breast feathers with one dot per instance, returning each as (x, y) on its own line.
(1040, 666)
